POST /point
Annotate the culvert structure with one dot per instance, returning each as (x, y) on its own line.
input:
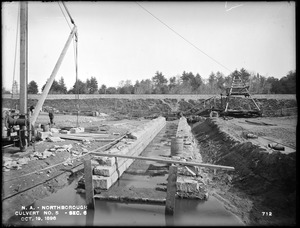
(191, 181)
(107, 170)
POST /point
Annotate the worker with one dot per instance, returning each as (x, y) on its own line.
(31, 109)
(51, 116)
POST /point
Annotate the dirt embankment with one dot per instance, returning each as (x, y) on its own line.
(146, 107)
(263, 185)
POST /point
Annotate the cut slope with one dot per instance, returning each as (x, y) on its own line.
(262, 182)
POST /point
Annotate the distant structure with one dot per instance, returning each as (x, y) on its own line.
(15, 88)
(239, 88)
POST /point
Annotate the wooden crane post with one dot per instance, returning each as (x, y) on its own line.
(23, 57)
(88, 180)
(40, 103)
(171, 191)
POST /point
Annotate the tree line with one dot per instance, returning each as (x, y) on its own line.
(186, 83)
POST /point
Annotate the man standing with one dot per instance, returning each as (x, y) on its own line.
(31, 109)
(51, 116)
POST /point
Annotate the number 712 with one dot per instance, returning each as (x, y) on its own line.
(266, 213)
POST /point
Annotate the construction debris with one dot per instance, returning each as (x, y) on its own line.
(251, 136)
(16, 163)
(260, 123)
(77, 130)
(54, 130)
(276, 146)
(43, 135)
(64, 132)
(54, 139)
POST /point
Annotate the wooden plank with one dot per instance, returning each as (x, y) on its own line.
(83, 137)
(170, 161)
(260, 123)
(88, 135)
(75, 138)
(125, 199)
(171, 190)
(89, 188)
(104, 140)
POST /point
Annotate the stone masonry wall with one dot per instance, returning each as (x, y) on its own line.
(107, 170)
(191, 181)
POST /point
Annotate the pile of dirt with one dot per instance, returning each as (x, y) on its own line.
(136, 107)
(240, 103)
(262, 181)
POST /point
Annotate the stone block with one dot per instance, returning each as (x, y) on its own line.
(54, 130)
(77, 130)
(43, 135)
(105, 171)
(54, 139)
(64, 132)
(94, 163)
(101, 182)
(187, 185)
(114, 150)
(107, 161)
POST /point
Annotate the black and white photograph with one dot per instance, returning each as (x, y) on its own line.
(148, 113)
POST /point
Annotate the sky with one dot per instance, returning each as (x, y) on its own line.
(132, 40)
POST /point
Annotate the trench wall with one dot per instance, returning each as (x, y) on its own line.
(257, 172)
(146, 96)
(145, 105)
(107, 170)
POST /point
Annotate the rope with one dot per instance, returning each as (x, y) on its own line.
(75, 45)
(12, 89)
(183, 38)
(24, 190)
(64, 16)
(52, 166)
(68, 13)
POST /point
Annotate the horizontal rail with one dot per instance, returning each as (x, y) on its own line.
(170, 161)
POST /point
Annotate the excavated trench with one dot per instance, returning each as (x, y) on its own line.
(262, 190)
(132, 183)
